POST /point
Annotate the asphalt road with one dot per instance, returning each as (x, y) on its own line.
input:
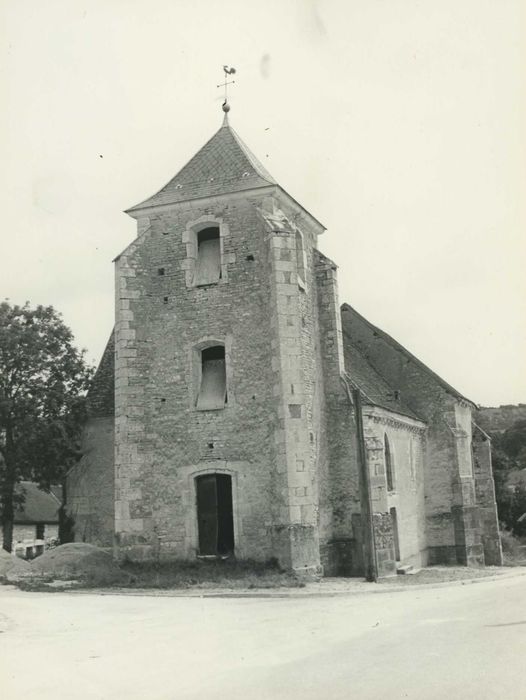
(460, 641)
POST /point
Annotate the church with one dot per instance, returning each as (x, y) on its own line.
(239, 411)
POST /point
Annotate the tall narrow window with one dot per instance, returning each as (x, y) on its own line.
(388, 464)
(396, 536)
(412, 459)
(212, 391)
(208, 263)
(300, 257)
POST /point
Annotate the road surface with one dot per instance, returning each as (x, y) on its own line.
(459, 641)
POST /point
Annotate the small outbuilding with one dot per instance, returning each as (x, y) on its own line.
(36, 519)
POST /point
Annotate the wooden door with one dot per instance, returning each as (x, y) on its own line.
(214, 514)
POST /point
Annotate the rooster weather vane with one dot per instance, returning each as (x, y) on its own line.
(228, 71)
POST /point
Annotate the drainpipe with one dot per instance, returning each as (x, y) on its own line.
(369, 546)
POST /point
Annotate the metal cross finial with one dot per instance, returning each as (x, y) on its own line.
(228, 71)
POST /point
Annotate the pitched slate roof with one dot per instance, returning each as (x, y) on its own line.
(39, 506)
(350, 316)
(101, 394)
(374, 388)
(223, 165)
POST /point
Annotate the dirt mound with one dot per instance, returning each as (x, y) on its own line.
(21, 569)
(76, 560)
(8, 561)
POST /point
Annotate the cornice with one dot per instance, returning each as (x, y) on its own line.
(394, 420)
(277, 190)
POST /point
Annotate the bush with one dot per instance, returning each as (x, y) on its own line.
(513, 548)
(508, 453)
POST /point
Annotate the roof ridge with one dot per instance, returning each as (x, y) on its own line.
(253, 160)
(400, 348)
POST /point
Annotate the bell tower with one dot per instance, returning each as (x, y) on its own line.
(217, 366)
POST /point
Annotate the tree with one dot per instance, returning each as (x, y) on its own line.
(508, 456)
(43, 382)
(513, 443)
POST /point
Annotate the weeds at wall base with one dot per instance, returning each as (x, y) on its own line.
(513, 549)
(173, 575)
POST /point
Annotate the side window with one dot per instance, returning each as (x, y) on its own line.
(412, 459)
(208, 262)
(389, 471)
(300, 258)
(212, 392)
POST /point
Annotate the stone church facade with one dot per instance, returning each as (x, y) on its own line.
(223, 418)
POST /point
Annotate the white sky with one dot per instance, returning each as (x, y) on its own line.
(400, 124)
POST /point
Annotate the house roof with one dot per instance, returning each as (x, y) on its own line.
(39, 506)
(223, 165)
(348, 314)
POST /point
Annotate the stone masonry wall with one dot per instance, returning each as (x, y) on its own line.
(26, 532)
(453, 529)
(261, 437)
(293, 340)
(407, 444)
(160, 435)
(340, 523)
(90, 485)
(25, 543)
(485, 496)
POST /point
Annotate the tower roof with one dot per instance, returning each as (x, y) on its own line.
(223, 165)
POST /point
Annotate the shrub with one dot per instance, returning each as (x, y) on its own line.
(513, 547)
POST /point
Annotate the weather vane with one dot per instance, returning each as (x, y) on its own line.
(228, 71)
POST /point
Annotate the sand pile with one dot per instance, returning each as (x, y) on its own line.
(20, 570)
(9, 562)
(76, 560)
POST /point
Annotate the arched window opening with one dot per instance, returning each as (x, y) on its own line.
(388, 457)
(208, 263)
(212, 389)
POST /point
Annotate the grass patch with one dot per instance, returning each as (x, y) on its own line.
(208, 574)
(174, 575)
